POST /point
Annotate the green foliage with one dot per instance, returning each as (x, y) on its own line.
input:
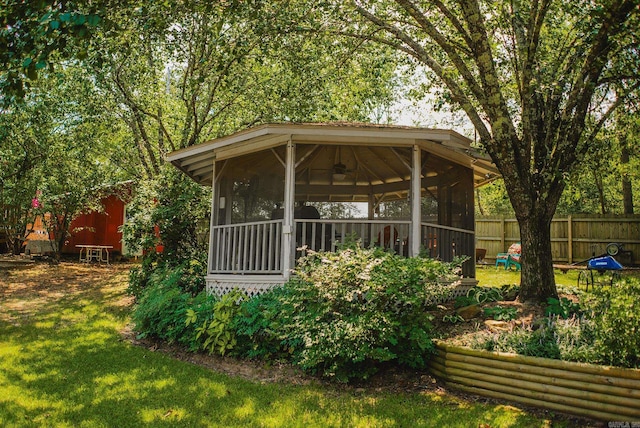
(615, 313)
(161, 307)
(453, 318)
(538, 343)
(509, 292)
(163, 304)
(566, 339)
(34, 31)
(257, 326)
(478, 295)
(500, 313)
(345, 313)
(219, 333)
(169, 213)
(604, 329)
(562, 307)
(493, 199)
(189, 276)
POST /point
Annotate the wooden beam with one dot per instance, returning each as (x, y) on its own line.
(416, 196)
(288, 232)
(282, 162)
(401, 159)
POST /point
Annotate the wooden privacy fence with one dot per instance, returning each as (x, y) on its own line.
(573, 238)
(598, 392)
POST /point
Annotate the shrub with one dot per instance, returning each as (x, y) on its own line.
(169, 211)
(557, 338)
(523, 341)
(140, 276)
(477, 295)
(562, 307)
(161, 307)
(188, 276)
(257, 326)
(345, 313)
(500, 313)
(615, 311)
(201, 307)
(217, 331)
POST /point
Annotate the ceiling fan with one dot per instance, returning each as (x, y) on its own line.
(340, 171)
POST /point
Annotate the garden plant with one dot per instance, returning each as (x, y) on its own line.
(67, 358)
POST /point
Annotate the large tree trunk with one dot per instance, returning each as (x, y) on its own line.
(538, 281)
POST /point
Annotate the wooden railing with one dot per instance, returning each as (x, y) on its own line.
(326, 235)
(256, 248)
(445, 243)
(248, 248)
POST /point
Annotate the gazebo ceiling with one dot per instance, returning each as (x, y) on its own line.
(350, 156)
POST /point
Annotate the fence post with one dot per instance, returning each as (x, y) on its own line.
(569, 239)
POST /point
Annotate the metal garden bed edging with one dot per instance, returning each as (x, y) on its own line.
(589, 390)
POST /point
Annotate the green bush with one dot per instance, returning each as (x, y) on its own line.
(217, 331)
(523, 341)
(258, 324)
(500, 313)
(345, 313)
(168, 212)
(478, 295)
(162, 306)
(562, 307)
(140, 276)
(201, 307)
(615, 311)
(187, 276)
(557, 338)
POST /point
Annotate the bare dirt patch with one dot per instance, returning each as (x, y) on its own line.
(26, 290)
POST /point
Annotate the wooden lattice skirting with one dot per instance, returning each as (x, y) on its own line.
(254, 285)
(588, 390)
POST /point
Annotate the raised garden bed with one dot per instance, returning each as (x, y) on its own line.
(588, 390)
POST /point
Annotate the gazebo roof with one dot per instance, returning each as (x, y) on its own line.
(369, 152)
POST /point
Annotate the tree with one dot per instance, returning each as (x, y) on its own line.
(184, 72)
(535, 78)
(627, 133)
(57, 145)
(34, 32)
(24, 139)
(603, 181)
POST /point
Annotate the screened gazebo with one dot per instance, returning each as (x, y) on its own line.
(280, 190)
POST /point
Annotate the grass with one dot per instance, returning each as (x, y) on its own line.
(64, 362)
(490, 276)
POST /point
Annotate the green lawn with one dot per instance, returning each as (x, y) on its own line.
(63, 362)
(490, 276)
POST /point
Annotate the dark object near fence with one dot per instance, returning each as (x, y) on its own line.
(604, 265)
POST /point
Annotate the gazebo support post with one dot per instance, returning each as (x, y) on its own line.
(288, 226)
(214, 217)
(416, 196)
(371, 212)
